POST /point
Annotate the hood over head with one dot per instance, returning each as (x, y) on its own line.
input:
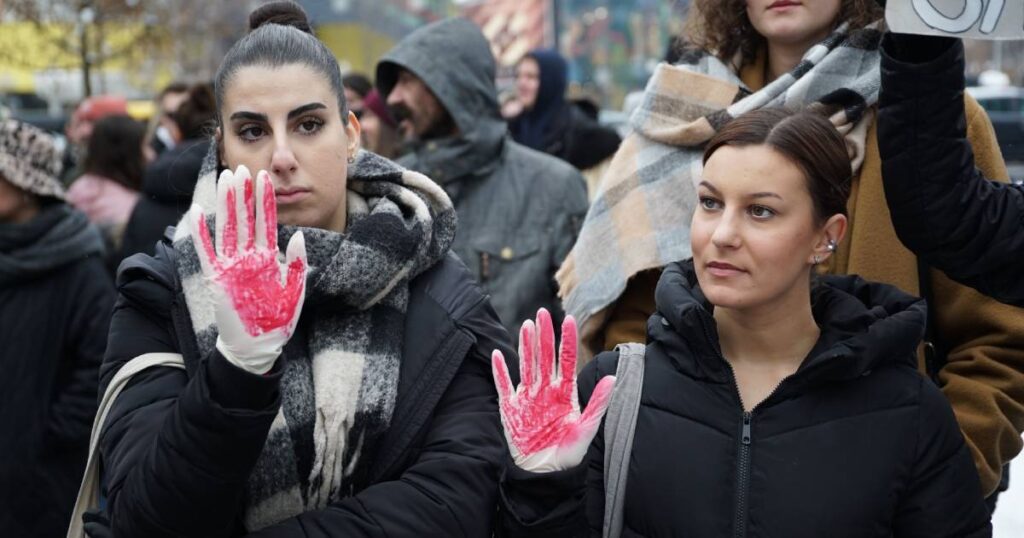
(453, 58)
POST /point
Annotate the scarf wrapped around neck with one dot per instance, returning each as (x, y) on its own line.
(640, 217)
(59, 235)
(340, 382)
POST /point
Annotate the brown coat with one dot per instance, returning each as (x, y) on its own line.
(984, 376)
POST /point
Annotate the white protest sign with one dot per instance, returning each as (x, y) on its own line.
(971, 19)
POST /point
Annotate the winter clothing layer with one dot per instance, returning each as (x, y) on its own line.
(984, 375)
(187, 444)
(29, 159)
(55, 303)
(426, 465)
(943, 208)
(640, 218)
(166, 195)
(343, 387)
(519, 210)
(557, 127)
(855, 443)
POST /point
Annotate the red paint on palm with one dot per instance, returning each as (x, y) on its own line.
(251, 277)
(543, 412)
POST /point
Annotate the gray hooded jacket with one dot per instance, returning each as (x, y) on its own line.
(519, 210)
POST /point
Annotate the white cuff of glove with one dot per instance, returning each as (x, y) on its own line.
(252, 361)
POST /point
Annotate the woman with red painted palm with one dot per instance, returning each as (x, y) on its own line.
(337, 388)
(769, 404)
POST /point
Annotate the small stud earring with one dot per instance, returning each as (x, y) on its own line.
(351, 159)
(817, 260)
(832, 245)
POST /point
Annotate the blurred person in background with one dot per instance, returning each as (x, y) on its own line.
(55, 303)
(80, 127)
(357, 87)
(552, 124)
(519, 209)
(108, 190)
(168, 182)
(823, 55)
(167, 102)
(380, 130)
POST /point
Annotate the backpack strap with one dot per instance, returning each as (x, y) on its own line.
(619, 427)
(89, 492)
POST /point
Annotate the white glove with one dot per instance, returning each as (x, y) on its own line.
(256, 307)
(542, 421)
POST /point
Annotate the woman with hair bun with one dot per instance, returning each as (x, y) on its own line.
(337, 385)
(768, 403)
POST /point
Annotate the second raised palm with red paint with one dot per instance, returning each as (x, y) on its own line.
(256, 303)
(541, 417)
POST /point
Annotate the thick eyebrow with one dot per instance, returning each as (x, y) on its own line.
(256, 116)
(306, 108)
(717, 192)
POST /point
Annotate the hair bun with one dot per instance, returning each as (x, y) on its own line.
(285, 13)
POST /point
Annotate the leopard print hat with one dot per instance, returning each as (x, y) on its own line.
(29, 159)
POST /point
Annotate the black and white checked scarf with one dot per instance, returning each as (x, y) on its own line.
(640, 216)
(337, 396)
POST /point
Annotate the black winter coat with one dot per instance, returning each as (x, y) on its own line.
(177, 449)
(856, 443)
(943, 208)
(53, 331)
(167, 189)
(577, 139)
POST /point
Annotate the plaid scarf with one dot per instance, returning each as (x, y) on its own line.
(339, 384)
(640, 217)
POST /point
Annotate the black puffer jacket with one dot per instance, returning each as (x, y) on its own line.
(942, 207)
(856, 443)
(166, 195)
(435, 472)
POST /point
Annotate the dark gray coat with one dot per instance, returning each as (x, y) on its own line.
(519, 210)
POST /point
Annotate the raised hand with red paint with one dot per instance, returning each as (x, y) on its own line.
(257, 301)
(543, 424)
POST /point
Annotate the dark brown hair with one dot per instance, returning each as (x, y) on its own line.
(279, 35)
(115, 150)
(808, 140)
(722, 26)
(197, 113)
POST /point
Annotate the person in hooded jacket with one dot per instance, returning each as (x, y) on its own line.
(770, 404)
(552, 124)
(334, 387)
(519, 209)
(168, 182)
(55, 303)
(929, 171)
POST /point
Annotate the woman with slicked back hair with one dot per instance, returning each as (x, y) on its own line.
(336, 385)
(767, 403)
(745, 55)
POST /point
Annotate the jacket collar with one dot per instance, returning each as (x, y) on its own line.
(863, 326)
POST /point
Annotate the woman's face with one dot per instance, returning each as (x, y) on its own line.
(285, 120)
(753, 234)
(793, 22)
(16, 205)
(528, 82)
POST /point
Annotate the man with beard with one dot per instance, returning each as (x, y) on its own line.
(519, 210)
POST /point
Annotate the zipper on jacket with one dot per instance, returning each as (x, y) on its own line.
(743, 478)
